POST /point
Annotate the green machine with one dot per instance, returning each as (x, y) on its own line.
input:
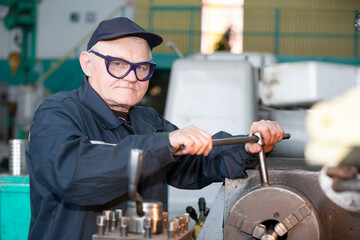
(22, 13)
(14, 207)
(14, 190)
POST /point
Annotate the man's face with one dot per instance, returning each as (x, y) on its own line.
(119, 94)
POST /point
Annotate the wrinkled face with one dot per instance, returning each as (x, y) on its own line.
(119, 94)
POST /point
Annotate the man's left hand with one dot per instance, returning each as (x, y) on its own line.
(271, 133)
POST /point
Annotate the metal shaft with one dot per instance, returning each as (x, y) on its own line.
(263, 168)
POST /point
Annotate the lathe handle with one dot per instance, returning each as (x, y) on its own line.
(240, 140)
(134, 170)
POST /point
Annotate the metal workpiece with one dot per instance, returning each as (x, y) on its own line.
(178, 227)
(152, 209)
(293, 207)
(270, 235)
(124, 225)
(101, 224)
(165, 219)
(122, 233)
(114, 218)
(172, 229)
(119, 213)
(107, 214)
(147, 227)
(185, 219)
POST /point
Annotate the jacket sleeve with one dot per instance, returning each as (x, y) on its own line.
(195, 172)
(64, 161)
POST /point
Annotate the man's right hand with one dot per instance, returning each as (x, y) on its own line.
(190, 140)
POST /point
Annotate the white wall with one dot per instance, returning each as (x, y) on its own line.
(7, 36)
(56, 34)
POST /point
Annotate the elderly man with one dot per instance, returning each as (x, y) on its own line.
(80, 141)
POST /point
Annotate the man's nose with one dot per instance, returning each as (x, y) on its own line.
(131, 76)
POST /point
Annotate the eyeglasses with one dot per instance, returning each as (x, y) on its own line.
(120, 68)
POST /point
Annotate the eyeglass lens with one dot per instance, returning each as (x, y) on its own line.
(120, 68)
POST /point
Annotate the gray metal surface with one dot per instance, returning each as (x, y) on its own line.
(334, 222)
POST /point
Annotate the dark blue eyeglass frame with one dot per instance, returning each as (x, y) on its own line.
(133, 66)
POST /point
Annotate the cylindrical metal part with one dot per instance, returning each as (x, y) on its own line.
(107, 214)
(187, 220)
(124, 224)
(165, 218)
(17, 159)
(114, 217)
(262, 162)
(177, 230)
(172, 228)
(147, 227)
(119, 213)
(101, 224)
(270, 235)
(152, 210)
(182, 221)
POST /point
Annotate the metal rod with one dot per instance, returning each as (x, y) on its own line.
(256, 137)
(263, 168)
(240, 140)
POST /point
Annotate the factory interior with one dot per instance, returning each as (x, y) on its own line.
(223, 64)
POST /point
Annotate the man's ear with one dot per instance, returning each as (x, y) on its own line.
(85, 63)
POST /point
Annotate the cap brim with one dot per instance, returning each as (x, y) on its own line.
(152, 39)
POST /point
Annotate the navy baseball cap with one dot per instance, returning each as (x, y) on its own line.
(121, 27)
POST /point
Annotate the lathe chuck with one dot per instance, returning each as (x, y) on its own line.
(272, 212)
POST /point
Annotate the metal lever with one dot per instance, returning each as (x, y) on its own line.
(134, 169)
(240, 140)
(256, 137)
(263, 168)
(234, 140)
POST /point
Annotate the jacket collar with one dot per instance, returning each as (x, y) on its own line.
(92, 100)
(139, 118)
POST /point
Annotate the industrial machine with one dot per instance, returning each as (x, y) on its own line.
(289, 202)
(143, 219)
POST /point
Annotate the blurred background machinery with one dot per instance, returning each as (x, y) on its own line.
(269, 59)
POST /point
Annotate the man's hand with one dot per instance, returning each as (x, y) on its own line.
(190, 140)
(271, 133)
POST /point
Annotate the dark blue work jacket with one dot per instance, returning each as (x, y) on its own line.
(77, 159)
